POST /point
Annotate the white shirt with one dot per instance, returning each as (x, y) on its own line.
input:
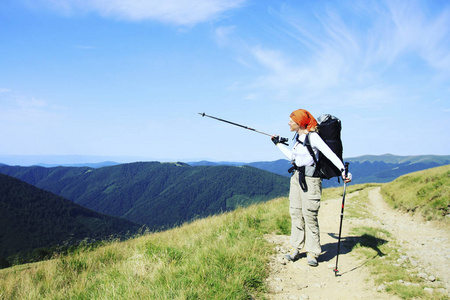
(301, 156)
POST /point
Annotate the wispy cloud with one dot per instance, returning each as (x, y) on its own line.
(180, 12)
(404, 28)
(283, 73)
(369, 53)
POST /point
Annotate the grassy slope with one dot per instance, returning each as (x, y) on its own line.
(218, 257)
(214, 258)
(426, 192)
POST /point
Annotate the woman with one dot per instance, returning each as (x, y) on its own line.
(306, 190)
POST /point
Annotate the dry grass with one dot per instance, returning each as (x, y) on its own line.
(214, 258)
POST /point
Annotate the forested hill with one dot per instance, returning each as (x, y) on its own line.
(154, 193)
(33, 218)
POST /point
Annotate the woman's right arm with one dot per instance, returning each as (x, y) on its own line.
(285, 150)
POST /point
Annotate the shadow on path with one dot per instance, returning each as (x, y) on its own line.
(329, 251)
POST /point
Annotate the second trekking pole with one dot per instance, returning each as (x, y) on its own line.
(340, 226)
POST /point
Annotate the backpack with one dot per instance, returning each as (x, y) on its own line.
(329, 129)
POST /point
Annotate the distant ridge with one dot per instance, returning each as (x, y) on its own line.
(390, 158)
(64, 160)
(366, 168)
(212, 163)
(90, 165)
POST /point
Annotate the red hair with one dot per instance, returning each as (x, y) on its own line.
(304, 119)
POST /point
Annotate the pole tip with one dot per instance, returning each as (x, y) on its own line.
(202, 114)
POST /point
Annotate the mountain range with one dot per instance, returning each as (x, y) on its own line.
(159, 195)
(45, 206)
(366, 168)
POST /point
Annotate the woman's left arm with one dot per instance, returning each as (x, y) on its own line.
(317, 142)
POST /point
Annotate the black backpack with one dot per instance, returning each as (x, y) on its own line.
(329, 129)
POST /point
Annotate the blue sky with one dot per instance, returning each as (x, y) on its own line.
(116, 78)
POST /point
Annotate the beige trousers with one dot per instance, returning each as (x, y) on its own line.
(304, 209)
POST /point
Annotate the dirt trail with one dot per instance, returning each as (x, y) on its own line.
(426, 246)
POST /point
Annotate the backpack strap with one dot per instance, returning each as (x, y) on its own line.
(310, 149)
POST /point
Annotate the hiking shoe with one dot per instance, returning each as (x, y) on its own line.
(293, 256)
(312, 261)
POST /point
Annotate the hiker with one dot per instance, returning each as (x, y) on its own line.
(306, 187)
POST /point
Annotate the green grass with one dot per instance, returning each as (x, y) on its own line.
(425, 192)
(221, 257)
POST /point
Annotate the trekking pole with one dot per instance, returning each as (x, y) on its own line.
(282, 139)
(340, 226)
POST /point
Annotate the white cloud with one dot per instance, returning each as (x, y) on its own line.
(413, 32)
(178, 12)
(369, 48)
(288, 73)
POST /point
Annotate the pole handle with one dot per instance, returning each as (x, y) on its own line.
(284, 141)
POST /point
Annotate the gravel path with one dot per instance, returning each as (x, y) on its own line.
(425, 245)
